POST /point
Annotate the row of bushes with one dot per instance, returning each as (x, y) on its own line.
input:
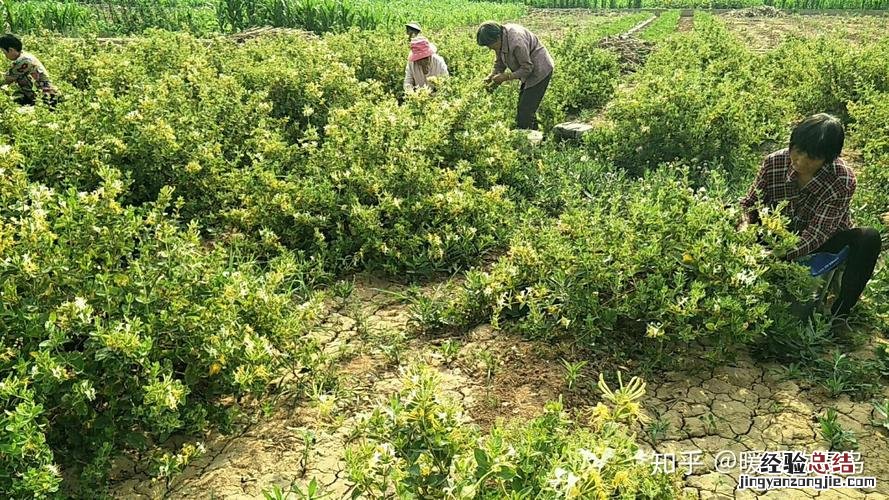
(652, 263)
(706, 100)
(296, 140)
(697, 100)
(164, 228)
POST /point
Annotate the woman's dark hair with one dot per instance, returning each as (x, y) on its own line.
(488, 33)
(820, 136)
(9, 41)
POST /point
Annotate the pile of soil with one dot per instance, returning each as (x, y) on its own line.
(631, 51)
(261, 31)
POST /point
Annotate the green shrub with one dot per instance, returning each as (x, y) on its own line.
(584, 79)
(699, 101)
(870, 135)
(419, 444)
(120, 328)
(648, 263)
(825, 74)
(418, 187)
(277, 145)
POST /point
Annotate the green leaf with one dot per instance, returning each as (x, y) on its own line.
(484, 464)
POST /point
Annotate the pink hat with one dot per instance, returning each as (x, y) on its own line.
(420, 49)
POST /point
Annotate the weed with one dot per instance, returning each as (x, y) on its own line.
(837, 437)
(710, 424)
(313, 491)
(572, 371)
(657, 429)
(449, 350)
(881, 408)
(488, 362)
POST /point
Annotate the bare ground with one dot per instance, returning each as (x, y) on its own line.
(766, 33)
(744, 406)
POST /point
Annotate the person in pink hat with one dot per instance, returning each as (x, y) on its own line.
(423, 63)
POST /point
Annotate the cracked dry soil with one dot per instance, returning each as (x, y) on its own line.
(744, 406)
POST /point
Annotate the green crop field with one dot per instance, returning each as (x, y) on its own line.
(256, 268)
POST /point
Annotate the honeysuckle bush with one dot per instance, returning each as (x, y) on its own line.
(650, 263)
(241, 134)
(121, 327)
(870, 135)
(421, 445)
(700, 100)
(824, 74)
(584, 79)
(277, 145)
(186, 121)
(416, 187)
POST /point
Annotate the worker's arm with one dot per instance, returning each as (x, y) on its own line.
(748, 203)
(408, 78)
(499, 63)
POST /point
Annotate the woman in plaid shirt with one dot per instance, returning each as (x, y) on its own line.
(818, 186)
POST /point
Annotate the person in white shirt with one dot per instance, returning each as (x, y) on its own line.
(423, 63)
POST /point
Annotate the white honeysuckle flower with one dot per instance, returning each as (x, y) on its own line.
(5, 148)
(572, 481)
(80, 303)
(745, 277)
(606, 456)
(588, 455)
(560, 473)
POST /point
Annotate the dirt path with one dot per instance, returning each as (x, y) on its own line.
(765, 33)
(686, 21)
(744, 406)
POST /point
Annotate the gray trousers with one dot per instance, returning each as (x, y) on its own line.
(529, 101)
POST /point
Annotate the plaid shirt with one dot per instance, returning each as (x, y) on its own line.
(817, 211)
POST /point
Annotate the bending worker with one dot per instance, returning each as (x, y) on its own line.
(423, 63)
(528, 61)
(818, 186)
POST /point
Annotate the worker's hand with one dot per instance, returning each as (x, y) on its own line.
(500, 78)
(489, 83)
(885, 219)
